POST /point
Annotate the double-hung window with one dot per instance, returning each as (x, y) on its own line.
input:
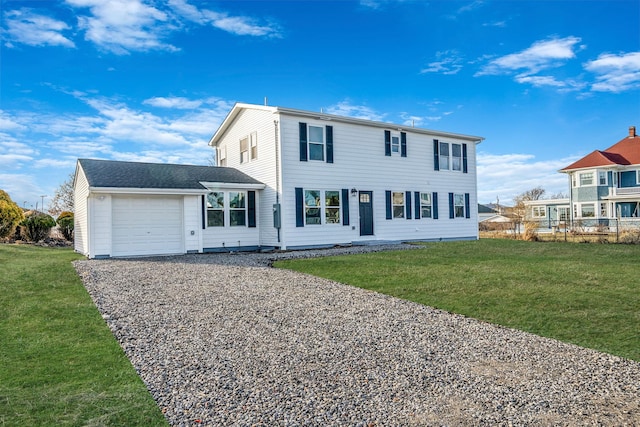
(253, 142)
(312, 207)
(444, 155)
(332, 207)
(215, 209)
(395, 144)
(456, 157)
(425, 205)
(397, 198)
(538, 211)
(244, 150)
(316, 143)
(602, 178)
(458, 205)
(222, 156)
(237, 209)
(586, 178)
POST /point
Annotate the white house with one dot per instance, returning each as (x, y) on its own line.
(301, 179)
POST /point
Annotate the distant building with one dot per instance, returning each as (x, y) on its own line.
(604, 189)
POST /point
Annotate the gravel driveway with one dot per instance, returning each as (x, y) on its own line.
(223, 339)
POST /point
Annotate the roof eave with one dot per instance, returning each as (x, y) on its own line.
(145, 190)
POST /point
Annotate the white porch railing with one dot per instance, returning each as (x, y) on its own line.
(626, 191)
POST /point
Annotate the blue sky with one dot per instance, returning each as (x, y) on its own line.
(545, 82)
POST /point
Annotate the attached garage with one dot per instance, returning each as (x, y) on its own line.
(146, 224)
(125, 209)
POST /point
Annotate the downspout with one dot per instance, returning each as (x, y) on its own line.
(275, 125)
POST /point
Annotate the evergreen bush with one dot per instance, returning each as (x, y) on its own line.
(10, 215)
(37, 225)
(65, 222)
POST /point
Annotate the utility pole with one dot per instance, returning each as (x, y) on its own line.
(42, 197)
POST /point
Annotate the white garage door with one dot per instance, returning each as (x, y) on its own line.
(147, 225)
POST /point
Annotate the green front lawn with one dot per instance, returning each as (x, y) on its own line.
(59, 363)
(586, 294)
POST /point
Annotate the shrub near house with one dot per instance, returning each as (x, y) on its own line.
(37, 225)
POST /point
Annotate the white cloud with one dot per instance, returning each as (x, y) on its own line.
(344, 108)
(508, 175)
(615, 73)
(8, 123)
(26, 27)
(121, 26)
(238, 25)
(22, 188)
(447, 62)
(172, 102)
(539, 56)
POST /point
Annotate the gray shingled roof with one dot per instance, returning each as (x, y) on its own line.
(109, 173)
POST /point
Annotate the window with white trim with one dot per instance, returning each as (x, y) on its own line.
(603, 210)
(456, 157)
(222, 153)
(586, 178)
(395, 144)
(444, 156)
(397, 203)
(638, 177)
(332, 207)
(458, 205)
(602, 178)
(312, 207)
(244, 149)
(538, 212)
(215, 209)
(425, 205)
(563, 214)
(316, 143)
(253, 145)
(587, 210)
(574, 180)
(237, 208)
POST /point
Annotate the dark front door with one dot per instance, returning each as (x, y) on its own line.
(366, 213)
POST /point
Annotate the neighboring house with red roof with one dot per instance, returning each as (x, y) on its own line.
(604, 186)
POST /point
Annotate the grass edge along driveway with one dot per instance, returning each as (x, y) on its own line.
(59, 362)
(585, 294)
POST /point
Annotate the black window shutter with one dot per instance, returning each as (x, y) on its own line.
(434, 208)
(345, 206)
(299, 207)
(329, 131)
(204, 212)
(417, 202)
(407, 201)
(464, 158)
(436, 155)
(387, 142)
(403, 144)
(451, 208)
(303, 142)
(251, 208)
(387, 195)
(467, 212)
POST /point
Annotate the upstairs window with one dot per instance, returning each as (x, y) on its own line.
(253, 142)
(215, 209)
(222, 156)
(444, 156)
(237, 209)
(395, 144)
(586, 178)
(244, 150)
(316, 143)
(602, 178)
(456, 157)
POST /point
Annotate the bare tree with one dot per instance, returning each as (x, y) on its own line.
(63, 197)
(519, 209)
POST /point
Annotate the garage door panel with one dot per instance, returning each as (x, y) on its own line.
(147, 225)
